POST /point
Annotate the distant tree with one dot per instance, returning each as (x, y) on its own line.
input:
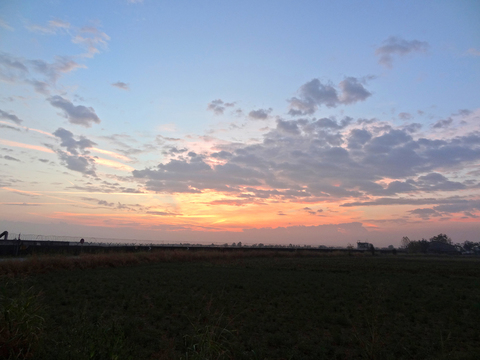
(405, 242)
(470, 245)
(233, 244)
(417, 246)
(239, 244)
(443, 238)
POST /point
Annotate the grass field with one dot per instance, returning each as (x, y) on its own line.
(243, 307)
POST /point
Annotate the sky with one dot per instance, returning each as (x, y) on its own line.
(274, 122)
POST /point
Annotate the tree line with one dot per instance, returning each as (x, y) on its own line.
(422, 246)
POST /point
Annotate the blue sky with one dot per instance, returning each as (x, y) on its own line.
(146, 83)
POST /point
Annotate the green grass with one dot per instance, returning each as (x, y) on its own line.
(330, 307)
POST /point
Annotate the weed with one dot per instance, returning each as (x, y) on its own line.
(209, 341)
(369, 326)
(21, 325)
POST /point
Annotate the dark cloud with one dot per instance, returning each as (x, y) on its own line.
(358, 138)
(82, 164)
(77, 158)
(162, 213)
(121, 85)
(405, 116)
(106, 188)
(443, 123)
(72, 145)
(352, 91)
(260, 114)
(11, 158)
(395, 46)
(40, 87)
(314, 94)
(222, 155)
(80, 115)
(425, 213)
(234, 202)
(11, 117)
(412, 128)
(312, 212)
(321, 159)
(218, 106)
(408, 201)
(3, 126)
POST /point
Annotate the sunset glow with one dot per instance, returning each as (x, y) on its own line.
(320, 124)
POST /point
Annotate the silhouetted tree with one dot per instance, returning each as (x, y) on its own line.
(443, 238)
(416, 246)
(405, 242)
(469, 245)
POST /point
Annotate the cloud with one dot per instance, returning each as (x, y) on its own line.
(11, 117)
(73, 146)
(312, 212)
(314, 94)
(89, 37)
(53, 71)
(412, 128)
(407, 201)
(162, 213)
(352, 91)
(121, 85)
(405, 116)
(4, 25)
(11, 158)
(425, 213)
(53, 26)
(82, 164)
(14, 69)
(318, 160)
(260, 114)
(80, 115)
(218, 106)
(395, 46)
(443, 123)
(473, 52)
(92, 39)
(5, 126)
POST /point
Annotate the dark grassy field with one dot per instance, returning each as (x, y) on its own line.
(246, 307)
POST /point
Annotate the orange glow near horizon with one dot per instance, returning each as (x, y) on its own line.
(26, 146)
(113, 164)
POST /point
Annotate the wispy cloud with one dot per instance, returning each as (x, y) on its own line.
(11, 117)
(25, 146)
(4, 25)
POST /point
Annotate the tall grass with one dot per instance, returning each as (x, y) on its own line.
(42, 264)
(21, 323)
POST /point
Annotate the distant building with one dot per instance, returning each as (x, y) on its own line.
(363, 245)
